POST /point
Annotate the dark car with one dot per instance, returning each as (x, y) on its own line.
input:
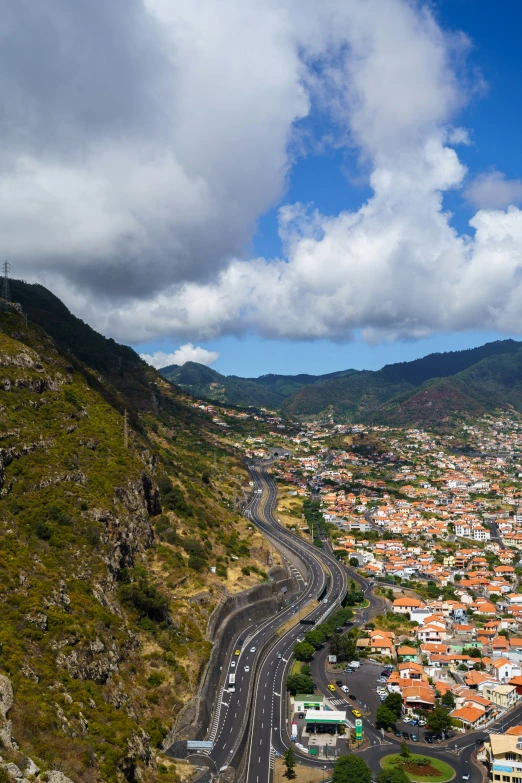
(300, 715)
(385, 673)
(398, 733)
(414, 738)
(348, 622)
(429, 739)
(353, 696)
(338, 628)
(339, 683)
(405, 735)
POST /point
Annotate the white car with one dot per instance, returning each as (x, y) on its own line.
(422, 723)
(345, 689)
(406, 719)
(247, 668)
(252, 649)
(232, 664)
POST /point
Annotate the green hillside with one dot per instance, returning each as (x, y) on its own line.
(202, 381)
(417, 392)
(492, 383)
(105, 547)
(267, 391)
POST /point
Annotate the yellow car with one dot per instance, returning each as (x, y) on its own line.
(356, 713)
(331, 687)
(237, 652)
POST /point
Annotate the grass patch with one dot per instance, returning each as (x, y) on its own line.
(436, 771)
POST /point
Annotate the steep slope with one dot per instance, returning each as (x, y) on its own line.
(105, 549)
(365, 394)
(495, 382)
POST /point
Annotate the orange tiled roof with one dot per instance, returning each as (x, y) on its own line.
(468, 714)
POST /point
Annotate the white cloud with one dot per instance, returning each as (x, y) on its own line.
(185, 353)
(492, 190)
(185, 134)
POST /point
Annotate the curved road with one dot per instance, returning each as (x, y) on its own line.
(264, 684)
(259, 681)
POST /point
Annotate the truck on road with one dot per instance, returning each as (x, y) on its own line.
(293, 735)
(232, 683)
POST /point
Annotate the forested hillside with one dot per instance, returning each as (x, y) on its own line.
(432, 392)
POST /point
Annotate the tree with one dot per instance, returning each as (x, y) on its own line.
(353, 562)
(300, 683)
(343, 646)
(351, 769)
(289, 759)
(439, 721)
(385, 717)
(448, 700)
(303, 651)
(316, 637)
(394, 703)
(405, 751)
(392, 776)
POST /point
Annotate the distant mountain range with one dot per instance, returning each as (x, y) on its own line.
(432, 392)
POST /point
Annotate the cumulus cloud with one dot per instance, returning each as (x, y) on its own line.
(185, 353)
(132, 183)
(492, 190)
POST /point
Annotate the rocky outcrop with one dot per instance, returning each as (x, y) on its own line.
(54, 776)
(6, 696)
(95, 660)
(24, 359)
(6, 702)
(131, 534)
(8, 455)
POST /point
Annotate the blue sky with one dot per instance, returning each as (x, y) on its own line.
(493, 117)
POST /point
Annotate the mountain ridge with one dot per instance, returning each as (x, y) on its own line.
(392, 394)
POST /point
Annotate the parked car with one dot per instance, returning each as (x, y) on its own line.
(348, 671)
(405, 735)
(422, 722)
(406, 719)
(339, 683)
(301, 715)
(353, 696)
(429, 739)
(414, 738)
(398, 733)
(345, 688)
(414, 721)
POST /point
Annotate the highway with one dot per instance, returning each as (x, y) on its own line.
(263, 685)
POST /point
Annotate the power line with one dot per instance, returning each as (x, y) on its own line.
(6, 294)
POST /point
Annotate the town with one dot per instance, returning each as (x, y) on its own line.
(434, 524)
